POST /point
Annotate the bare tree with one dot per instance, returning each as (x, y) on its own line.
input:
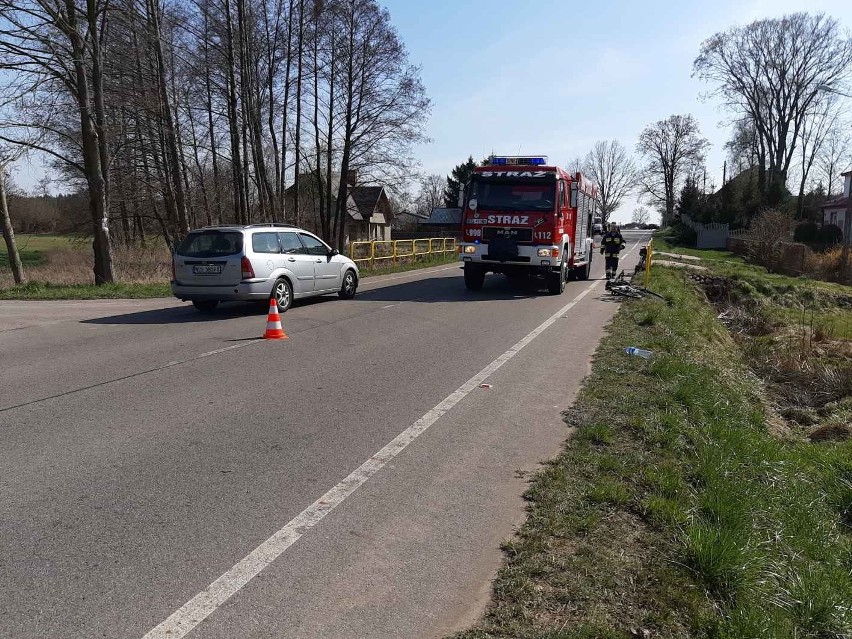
(8, 232)
(383, 102)
(576, 165)
(431, 194)
(53, 49)
(641, 215)
(672, 148)
(742, 147)
(772, 72)
(610, 166)
(815, 131)
(835, 155)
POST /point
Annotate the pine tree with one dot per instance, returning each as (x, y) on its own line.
(459, 176)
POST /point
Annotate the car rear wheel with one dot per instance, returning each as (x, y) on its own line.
(205, 306)
(349, 286)
(283, 294)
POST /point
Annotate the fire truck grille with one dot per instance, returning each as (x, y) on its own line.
(518, 235)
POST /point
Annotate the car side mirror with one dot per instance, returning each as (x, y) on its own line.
(332, 253)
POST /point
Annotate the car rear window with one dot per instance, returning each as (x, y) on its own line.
(211, 244)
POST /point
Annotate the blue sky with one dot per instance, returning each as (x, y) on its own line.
(552, 76)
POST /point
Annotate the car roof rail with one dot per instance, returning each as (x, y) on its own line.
(276, 224)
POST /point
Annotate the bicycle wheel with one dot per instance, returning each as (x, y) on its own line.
(625, 291)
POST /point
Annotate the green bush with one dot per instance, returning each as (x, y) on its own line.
(830, 234)
(681, 235)
(806, 232)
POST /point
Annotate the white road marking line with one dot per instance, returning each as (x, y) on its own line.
(182, 621)
(389, 306)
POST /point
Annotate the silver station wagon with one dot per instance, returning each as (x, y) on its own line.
(257, 262)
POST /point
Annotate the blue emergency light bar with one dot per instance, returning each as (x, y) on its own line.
(515, 160)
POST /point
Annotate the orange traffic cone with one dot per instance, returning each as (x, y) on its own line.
(273, 323)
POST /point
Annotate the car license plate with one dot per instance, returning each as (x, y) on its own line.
(207, 269)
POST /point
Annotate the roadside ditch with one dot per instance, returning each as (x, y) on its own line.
(696, 497)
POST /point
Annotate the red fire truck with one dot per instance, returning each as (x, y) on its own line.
(522, 217)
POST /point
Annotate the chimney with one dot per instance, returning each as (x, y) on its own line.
(352, 177)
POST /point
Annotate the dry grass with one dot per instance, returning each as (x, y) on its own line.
(829, 266)
(69, 263)
(72, 266)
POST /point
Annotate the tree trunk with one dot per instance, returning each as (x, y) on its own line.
(298, 150)
(217, 187)
(202, 183)
(240, 205)
(9, 233)
(173, 159)
(282, 187)
(319, 185)
(93, 167)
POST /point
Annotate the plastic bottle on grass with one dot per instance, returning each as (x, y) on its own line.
(641, 352)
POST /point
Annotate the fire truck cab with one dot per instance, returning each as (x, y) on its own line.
(522, 217)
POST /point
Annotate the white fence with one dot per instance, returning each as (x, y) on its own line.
(709, 236)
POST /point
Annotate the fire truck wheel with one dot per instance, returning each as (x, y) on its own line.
(556, 281)
(474, 277)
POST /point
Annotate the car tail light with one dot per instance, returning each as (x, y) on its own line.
(248, 271)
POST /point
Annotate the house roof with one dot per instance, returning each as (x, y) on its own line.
(419, 216)
(444, 216)
(366, 199)
(838, 203)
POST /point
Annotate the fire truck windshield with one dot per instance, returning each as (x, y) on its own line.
(513, 196)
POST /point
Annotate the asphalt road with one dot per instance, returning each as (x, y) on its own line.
(163, 473)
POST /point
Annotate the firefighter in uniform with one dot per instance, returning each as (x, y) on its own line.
(612, 243)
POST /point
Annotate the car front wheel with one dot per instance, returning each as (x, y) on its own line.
(556, 281)
(349, 286)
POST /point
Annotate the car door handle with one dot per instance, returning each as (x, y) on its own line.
(291, 259)
(319, 260)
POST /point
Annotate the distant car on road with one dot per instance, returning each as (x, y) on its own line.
(257, 262)
(597, 226)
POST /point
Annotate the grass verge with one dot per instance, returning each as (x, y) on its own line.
(675, 511)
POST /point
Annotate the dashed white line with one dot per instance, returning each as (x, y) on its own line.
(205, 603)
